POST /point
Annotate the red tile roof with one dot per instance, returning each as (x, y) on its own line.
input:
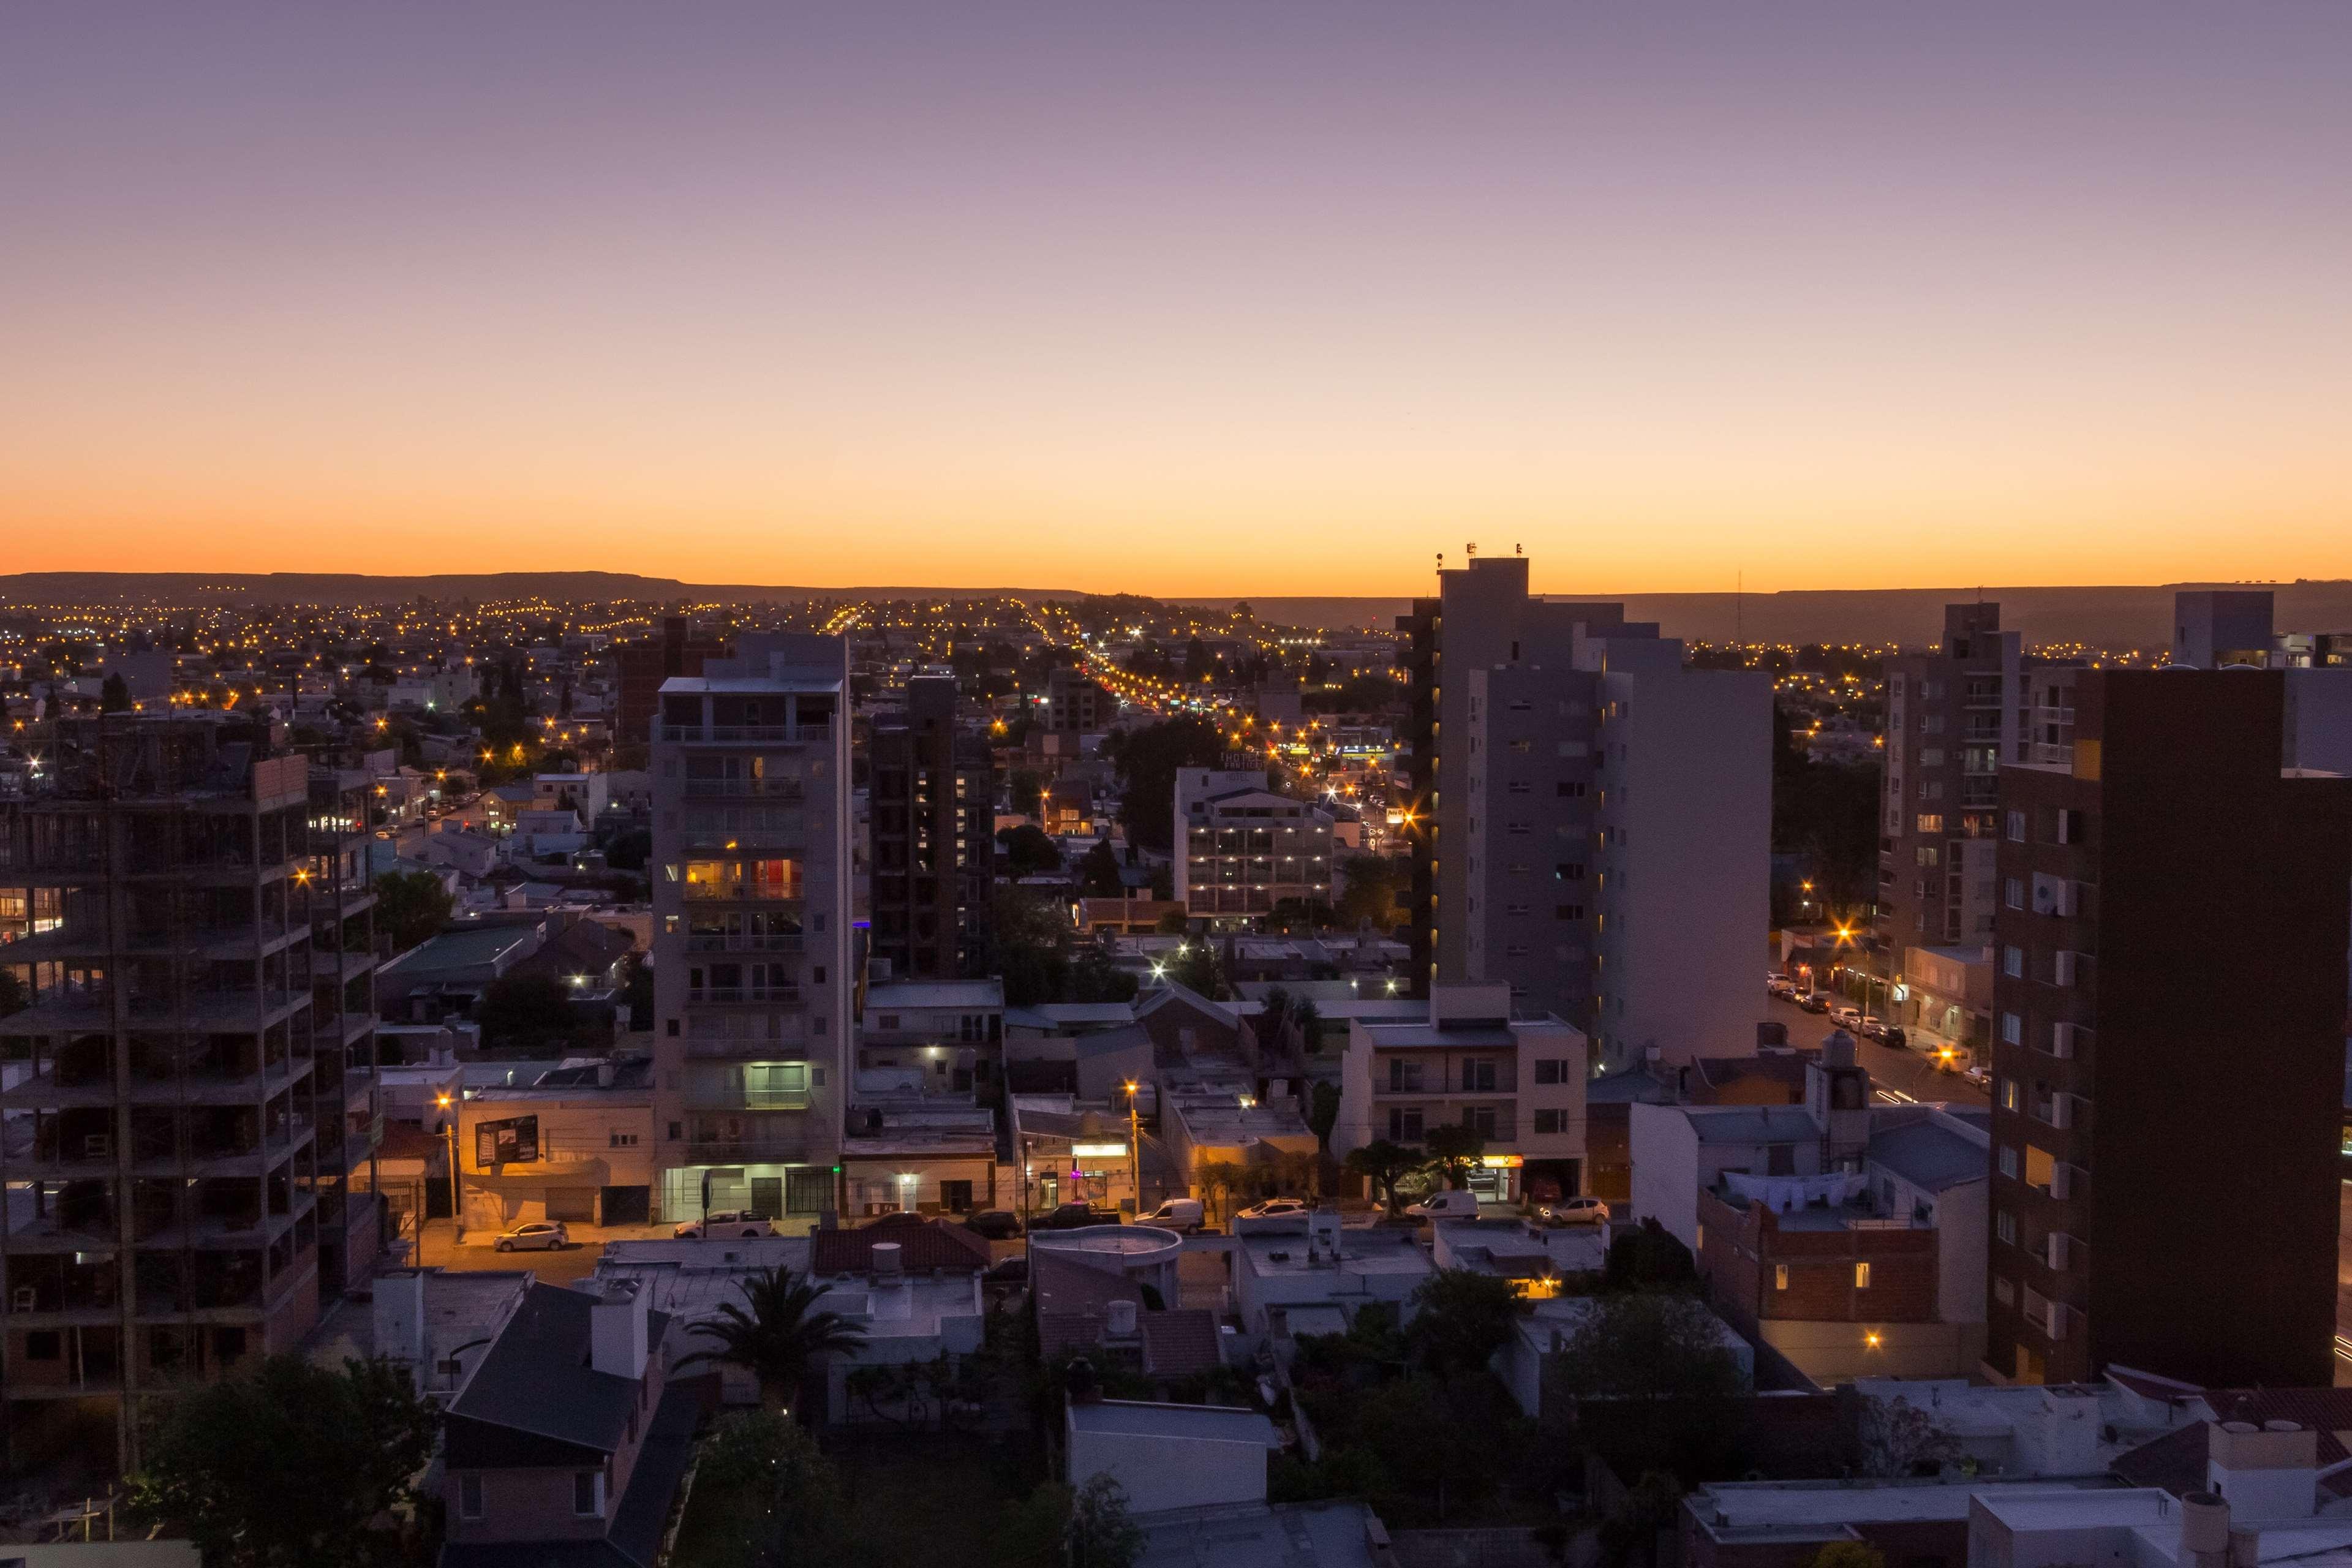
(1179, 1343)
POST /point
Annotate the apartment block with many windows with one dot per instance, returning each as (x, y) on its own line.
(752, 948)
(1245, 848)
(193, 1079)
(1519, 1084)
(2170, 1006)
(934, 850)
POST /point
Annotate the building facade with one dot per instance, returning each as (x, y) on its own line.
(1245, 848)
(934, 850)
(1590, 820)
(752, 942)
(193, 1079)
(2170, 1009)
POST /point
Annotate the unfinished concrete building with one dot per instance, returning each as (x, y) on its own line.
(192, 1077)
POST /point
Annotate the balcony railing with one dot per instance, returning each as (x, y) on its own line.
(733, 1096)
(733, 942)
(743, 789)
(743, 994)
(744, 734)
(748, 1152)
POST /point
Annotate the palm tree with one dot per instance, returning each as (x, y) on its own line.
(781, 1333)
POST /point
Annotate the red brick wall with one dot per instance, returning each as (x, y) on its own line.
(1740, 1248)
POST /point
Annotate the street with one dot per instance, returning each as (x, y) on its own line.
(1899, 1075)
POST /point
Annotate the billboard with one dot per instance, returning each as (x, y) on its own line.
(514, 1140)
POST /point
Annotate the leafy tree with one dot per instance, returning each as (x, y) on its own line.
(1848, 1554)
(1461, 1319)
(1029, 1534)
(1308, 915)
(630, 849)
(1666, 1387)
(1098, 875)
(1454, 1148)
(1100, 1534)
(1384, 1164)
(1028, 937)
(778, 1333)
(1648, 1256)
(639, 992)
(1649, 1508)
(1025, 791)
(790, 1511)
(1029, 850)
(1147, 759)
(1094, 978)
(1173, 922)
(525, 1009)
(1898, 1440)
(1323, 1112)
(113, 695)
(1309, 1019)
(1199, 967)
(411, 907)
(293, 1464)
(1370, 897)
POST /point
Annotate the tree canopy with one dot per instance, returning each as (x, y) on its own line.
(291, 1463)
(411, 907)
(1147, 759)
(1029, 850)
(777, 1332)
(1453, 1147)
(1461, 1319)
(1099, 876)
(1384, 1164)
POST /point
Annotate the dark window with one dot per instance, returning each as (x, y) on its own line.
(1571, 789)
(1567, 911)
(583, 1492)
(1548, 1069)
(44, 1344)
(1548, 1121)
(673, 1028)
(470, 1497)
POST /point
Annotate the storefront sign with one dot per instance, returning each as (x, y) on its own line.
(1501, 1161)
(1097, 1151)
(514, 1140)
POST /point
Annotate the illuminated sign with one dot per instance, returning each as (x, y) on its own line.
(1097, 1151)
(512, 1141)
(1501, 1161)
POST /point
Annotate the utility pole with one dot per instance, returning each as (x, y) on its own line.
(1135, 1146)
(457, 1218)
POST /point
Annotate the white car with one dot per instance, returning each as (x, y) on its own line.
(544, 1234)
(1451, 1203)
(1848, 1019)
(1575, 1211)
(1274, 1206)
(726, 1222)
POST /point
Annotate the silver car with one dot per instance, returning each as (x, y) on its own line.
(541, 1233)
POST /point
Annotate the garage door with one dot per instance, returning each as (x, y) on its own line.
(576, 1204)
(629, 1206)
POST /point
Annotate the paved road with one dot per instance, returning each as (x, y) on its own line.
(1900, 1074)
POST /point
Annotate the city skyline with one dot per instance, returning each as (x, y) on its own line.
(1199, 302)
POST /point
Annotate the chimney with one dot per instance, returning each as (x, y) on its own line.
(617, 1330)
(1119, 1320)
(400, 1321)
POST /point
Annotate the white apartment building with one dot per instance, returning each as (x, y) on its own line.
(752, 941)
(1600, 819)
(1520, 1084)
(1243, 847)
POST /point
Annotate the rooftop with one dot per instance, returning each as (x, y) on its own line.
(1336, 1534)
(466, 949)
(536, 1377)
(1931, 1155)
(1144, 1418)
(1732, 1509)
(1362, 1250)
(981, 994)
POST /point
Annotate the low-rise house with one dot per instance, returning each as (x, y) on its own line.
(1169, 1456)
(569, 1442)
(1550, 1324)
(1084, 1307)
(949, 1030)
(576, 1144)
(1535, 1258)
(1520, 1084)
(912, 1151)
(1318, 1263)
(1072, 1152)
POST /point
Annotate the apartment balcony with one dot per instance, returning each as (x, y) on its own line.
(158, 1085)
(744, 734)
(86, 1010)
(744, 789)
(727, 1097)
(731, 942)
(744, 841)
(91, 944)
(743, 996)
(745, 1050)
(749, 1152)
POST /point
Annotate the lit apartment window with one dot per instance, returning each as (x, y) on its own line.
(1862, 1276)
(1779, 1277)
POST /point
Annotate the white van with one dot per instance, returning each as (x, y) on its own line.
(1176, 1214)
(1453, 1203)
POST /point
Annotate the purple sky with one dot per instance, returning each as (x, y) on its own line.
(1199, 298)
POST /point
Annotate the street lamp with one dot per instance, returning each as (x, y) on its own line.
(448, 1131)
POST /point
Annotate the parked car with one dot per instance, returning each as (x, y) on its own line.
(1781, 985)
(1074, 1217)
(726, 1222)
(1176, 1214)
(996, 1225)
(1846, 1016)
(538, 1234)
(1893, 1036)
(1452, 1204)
(1814, 1001)
(1575, 1211)
(1274, 1207)
(1008, 1272)
(1978, 1075)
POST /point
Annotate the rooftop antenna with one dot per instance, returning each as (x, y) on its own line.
(1471, 550)
(1739, 607)
(1440, 561)
(1519, 550)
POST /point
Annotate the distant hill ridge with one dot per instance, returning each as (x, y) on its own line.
(2118, 616)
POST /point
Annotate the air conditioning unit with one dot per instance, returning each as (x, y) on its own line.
(2062, 1180)
(97, 1146)
(2057, 1321)
(2061, 1041)
(2063, 968)
(2061, 1248)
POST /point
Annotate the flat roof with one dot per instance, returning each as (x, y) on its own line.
(1361, 1251)
(1778, 1506)
(1469, 1035)
(981, 993)
(1203, 1423)
(1332, 1534)
(464, 948)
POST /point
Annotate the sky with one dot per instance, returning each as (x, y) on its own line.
(1180, 299)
